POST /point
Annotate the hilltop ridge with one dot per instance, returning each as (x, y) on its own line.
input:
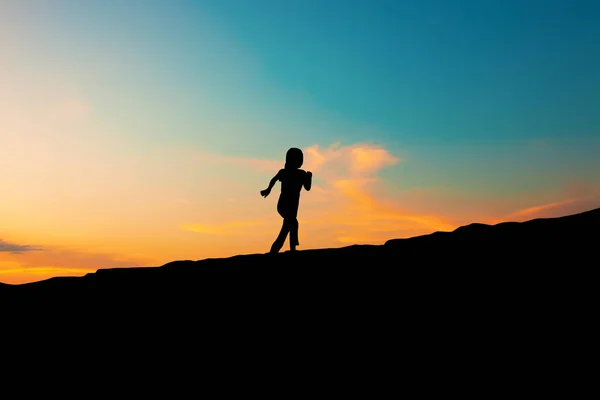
(569, 240)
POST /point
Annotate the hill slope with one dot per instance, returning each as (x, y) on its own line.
(569, 241)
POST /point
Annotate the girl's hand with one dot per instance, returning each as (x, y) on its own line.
(265, 193)
(309, 174)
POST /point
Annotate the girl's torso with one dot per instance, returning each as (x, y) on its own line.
(292, 181)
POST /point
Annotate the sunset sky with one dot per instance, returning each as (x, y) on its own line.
(139, 132)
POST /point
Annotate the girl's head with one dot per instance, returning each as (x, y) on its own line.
(294, 158)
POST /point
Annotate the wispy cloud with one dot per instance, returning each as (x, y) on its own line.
(16, 248)
(569, 198)
(536, 210)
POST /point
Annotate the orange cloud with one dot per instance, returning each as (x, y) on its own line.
(580, 196)
(357, 159)
(366, 218)
(366, 159)
(342, 206)
(533, 211)
(349, 203)
(353, 207)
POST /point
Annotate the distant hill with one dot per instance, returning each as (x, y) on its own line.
(479, 254)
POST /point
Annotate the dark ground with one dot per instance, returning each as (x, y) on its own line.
(473, 257)
(478, 309)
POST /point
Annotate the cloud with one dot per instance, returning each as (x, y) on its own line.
(550, 210)
(371, 159)
(345, 204)
(16, 248)
(354, 160)
(537, 210)
(353, 197)
(572, 197)
(351, 203)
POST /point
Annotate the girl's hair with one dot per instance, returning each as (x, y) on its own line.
(294, 158)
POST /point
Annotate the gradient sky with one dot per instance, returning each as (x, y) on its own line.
(138, 132)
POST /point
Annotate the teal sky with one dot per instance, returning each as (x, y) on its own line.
(474, 93)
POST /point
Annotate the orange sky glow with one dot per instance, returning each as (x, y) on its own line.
(132, 224)
(133, 134)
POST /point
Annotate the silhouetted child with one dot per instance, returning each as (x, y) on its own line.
(292, 179)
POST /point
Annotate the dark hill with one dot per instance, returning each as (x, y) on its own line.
(482, 256)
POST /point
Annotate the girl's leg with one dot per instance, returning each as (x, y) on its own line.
(293, 224)
(278, 243)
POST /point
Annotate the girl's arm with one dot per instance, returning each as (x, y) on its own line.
(308, 180)
(272, 183)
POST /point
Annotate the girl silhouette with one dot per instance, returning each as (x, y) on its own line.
(292, 180)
